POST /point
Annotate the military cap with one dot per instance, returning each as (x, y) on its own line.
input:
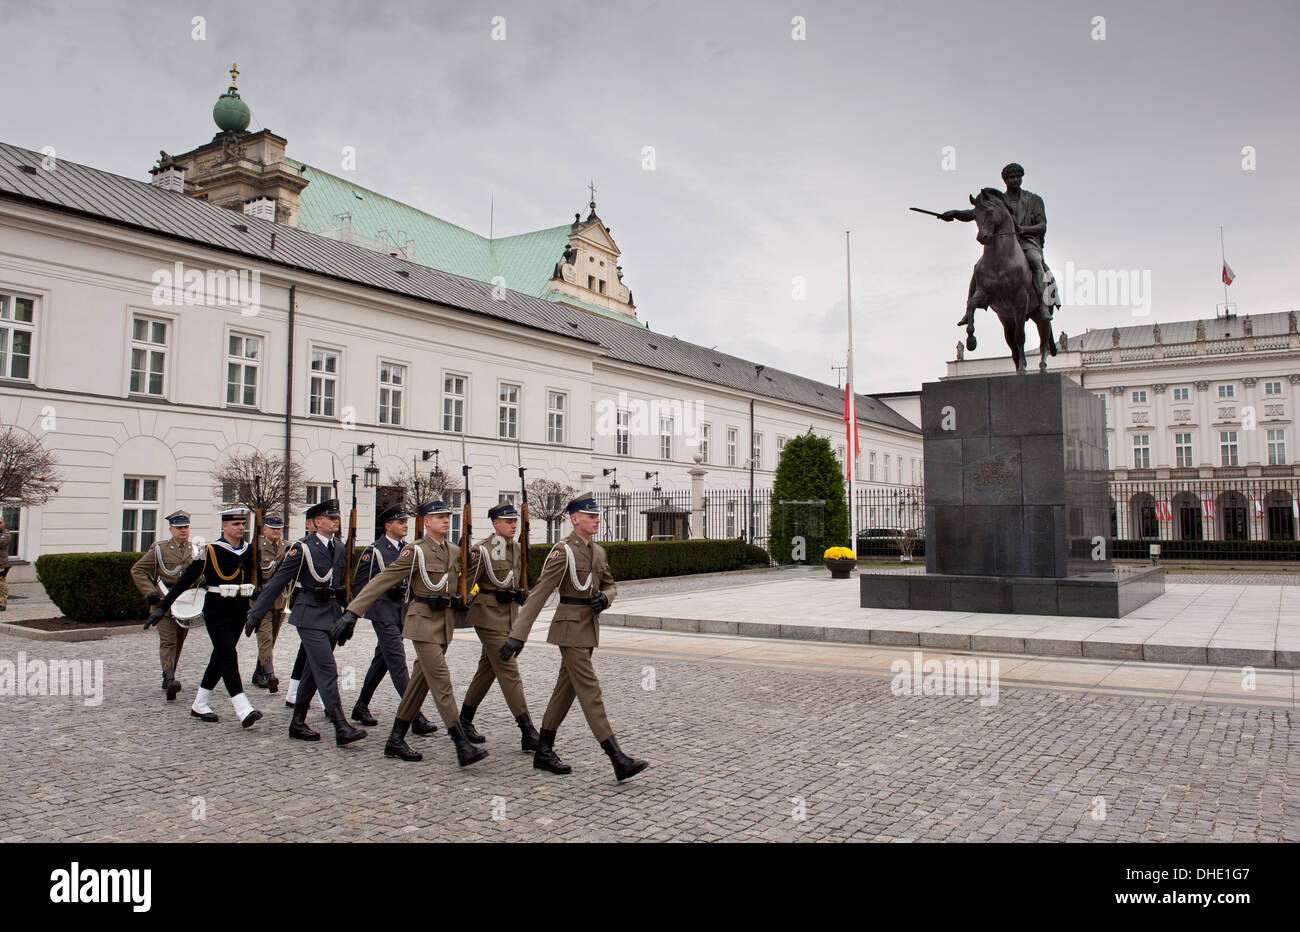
(393, 513)
(273, 521)
(178, 519)
(584, 503)
(434, 508)
(236, 513)
(326, 509)
(503, 510)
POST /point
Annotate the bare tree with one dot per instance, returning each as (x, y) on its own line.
(547, 499)
(29, 473)
(233, 481)
(420, 487)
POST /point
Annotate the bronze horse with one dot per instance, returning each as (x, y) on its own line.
(1003, 282)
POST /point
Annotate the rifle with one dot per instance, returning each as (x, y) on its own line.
(523, 524)
(352, 541)
(465, 531)
(256, 532)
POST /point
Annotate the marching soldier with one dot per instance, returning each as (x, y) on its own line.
(430, 568)
(578, 566)
(497, 564)
(4, 566)
(226, 572)
(316, 616)
(270, 549)
(386, 617)
(166, 561)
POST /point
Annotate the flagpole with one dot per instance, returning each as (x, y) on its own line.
(851, 427)
(1223, 258)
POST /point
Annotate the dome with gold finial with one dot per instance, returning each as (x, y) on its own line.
(230, 113)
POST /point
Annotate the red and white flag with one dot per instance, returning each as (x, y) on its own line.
(1228, 275)
(851, 431)
(1207, 504)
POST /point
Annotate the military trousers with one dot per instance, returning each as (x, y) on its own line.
(267, 633)
(224, 625)
(389, 658)
(577, 679)
(171, 637)
(4, 591)
(320, 673)
(429, 675)
(492, 667)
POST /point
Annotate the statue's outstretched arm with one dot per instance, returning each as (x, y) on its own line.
(965, 216)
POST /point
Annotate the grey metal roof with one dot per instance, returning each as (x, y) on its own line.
(124, 201)
(1184, 331)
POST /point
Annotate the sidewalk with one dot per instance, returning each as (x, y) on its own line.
(1217, 625)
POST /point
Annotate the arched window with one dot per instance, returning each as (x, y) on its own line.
(1279, 514)
(1188, 524)
(1142, 515)
(1232, 509)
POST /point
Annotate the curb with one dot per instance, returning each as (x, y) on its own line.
(73, 634)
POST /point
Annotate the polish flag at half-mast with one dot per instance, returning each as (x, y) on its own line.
(1228, 275)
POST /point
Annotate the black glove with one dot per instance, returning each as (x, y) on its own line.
(458, 604)
(504, 596)
(342, 629)
(599, 602)
(153, 598)
(511, 648)
(251, 625)
(157, 615)
(521, 595)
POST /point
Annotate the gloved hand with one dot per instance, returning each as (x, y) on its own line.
(251, 625)
(599, 602)
(157, 615)
(342, 629)
(510, 648)
(153, 598)
(521, 595)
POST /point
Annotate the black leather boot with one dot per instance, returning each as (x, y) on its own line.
(171, 686)
(361, 713)
(343, 732)
(298, 727)
(396, 745)
(422, 726)
(527, 733)
(466, 753)
(624, 766)
(272, 681)
(259, 676)
(545, 758)
(467, 724)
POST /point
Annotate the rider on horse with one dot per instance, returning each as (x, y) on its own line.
(1031, 229)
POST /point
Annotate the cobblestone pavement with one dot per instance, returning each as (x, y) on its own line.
(747, 739)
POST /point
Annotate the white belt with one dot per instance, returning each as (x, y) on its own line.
(232, 591)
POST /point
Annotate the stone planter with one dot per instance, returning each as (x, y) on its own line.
(840, 569)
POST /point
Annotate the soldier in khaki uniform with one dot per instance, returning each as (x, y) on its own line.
(270, 550)
(578, 566)
(431, 569)
(4, 566)
(166, 561)
(497, 566)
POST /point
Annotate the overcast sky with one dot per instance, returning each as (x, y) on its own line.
(767, 148)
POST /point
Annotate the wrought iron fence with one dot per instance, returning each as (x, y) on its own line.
(648, 515)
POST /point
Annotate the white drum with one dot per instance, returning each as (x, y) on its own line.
(187, 610)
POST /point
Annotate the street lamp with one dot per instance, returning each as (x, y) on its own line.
(656, 488)
(613, 485)
(427, 455)
(370, 475)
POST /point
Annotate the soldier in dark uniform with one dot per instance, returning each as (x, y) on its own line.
(166, 561)
(316, 567)
(429, 566)
(227, 574)
(577, 566)
(497, 565)
(386, 615)
(269, 551)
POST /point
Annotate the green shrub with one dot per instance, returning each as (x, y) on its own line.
(651, 559)
(92, 586)
(808, 472)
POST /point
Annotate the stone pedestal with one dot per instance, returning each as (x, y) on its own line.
(1015, 496)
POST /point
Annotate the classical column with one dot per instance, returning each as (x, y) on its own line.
(697, 497)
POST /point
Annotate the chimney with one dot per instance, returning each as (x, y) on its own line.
(169, 178)
(261, 207)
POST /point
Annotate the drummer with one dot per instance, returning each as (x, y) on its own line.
(165, 561)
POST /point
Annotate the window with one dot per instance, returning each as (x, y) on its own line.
(1227, 447)
(555, 407)
(324, 386)
(619, 523)
(453, 404)
(1140, 397)
(601, 285)
(1141, 451)
(900, 470)
(318, 492)
(392, 387)
(758, 450)
(621, 433)
(453, 500)
(1277, 447)
(1182, 394)
(1272, 388)
(17, 324)
(591, 282)
(1183, 451)
(139, 513)
(12, 516)
(857, 468)
(1227, 391)
(706, 432)
(148, 355)
(780, 447)
(228, 493)
(731, 518)
(243, 360)
(665, 438)
(914, 470)
(886, 460)
(731, 448)
(839, 455)
(871, 458)
(508, 411)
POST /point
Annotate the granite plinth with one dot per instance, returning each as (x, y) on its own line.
(1101, 593)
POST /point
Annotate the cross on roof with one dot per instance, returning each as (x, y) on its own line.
(591, 186)
(234, 73)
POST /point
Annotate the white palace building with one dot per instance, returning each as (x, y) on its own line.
(241, 300)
